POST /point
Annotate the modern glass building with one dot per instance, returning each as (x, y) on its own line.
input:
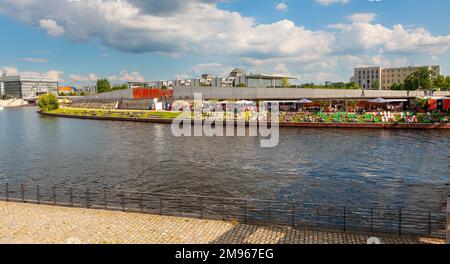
(28, 87)
(263, 80)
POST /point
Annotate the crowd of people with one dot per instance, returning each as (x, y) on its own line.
(323, 117)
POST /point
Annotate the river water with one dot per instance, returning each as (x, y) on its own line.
(395, 168)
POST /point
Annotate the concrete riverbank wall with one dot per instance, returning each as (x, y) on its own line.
(226, 93)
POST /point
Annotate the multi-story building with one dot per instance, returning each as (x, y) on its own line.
(398, 75)
(383, 78)
(236, 78)
(92, 89)
(367, 77)
(28, 86)
(132, 85)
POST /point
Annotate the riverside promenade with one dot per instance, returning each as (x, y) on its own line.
(30, 223)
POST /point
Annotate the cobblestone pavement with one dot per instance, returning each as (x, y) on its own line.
(29, 223)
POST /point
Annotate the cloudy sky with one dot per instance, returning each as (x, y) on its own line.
(78, 41)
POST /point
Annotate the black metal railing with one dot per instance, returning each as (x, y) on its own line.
(400, 221)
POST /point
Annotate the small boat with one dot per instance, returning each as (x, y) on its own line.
(1, 108)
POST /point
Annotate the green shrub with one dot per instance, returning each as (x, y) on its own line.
(48, 102)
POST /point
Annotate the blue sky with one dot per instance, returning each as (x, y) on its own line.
(77, 41)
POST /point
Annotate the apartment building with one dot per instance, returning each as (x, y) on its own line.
(367, 77)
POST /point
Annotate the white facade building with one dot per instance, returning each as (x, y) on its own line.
(369, 78)
(28, 86)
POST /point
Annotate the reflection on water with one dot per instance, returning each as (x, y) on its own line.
(355, 167)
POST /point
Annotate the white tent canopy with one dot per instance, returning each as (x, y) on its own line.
(379, 101)
(243, 102)
(305, 101)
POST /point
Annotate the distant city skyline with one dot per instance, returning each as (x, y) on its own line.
(78, 41)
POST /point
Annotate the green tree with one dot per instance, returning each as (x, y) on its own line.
(241, 85)
(376, 84)
(103, 86)
(48, 102)
(352, 85)
(285, 82)
(447, 82)
(419, 80)
(398, 87)
(120, 87)
(440, 82)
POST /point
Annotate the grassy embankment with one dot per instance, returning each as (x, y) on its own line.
(140, 114)
(296, 118)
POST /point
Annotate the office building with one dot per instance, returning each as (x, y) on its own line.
(28, 87)
(372, 78)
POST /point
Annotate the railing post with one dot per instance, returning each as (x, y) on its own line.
(7, 192)
(54, 194)
(141, 202)
(105, 199)
(429, 223)
(71, 196)
(181, 205)
(448, 217)
(223, 209)
(371, 220)
(318, 216)
(400, 222)
(87, 198)
(345, 218)
(201, 208)
(245, 211)
(123, 202)
(160, 206)
(22, 192)
(37, 194)
(293, 215)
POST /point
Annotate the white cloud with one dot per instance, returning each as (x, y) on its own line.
(33, 60)
(330, 2)
(124, 76)
(365, 37)
(281, 6)
(8, 71)
(199, 27)
(53, 29)
(13, 71)
(83, 78)
(362, 17)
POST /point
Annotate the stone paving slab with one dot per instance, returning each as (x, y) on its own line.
(30, 223)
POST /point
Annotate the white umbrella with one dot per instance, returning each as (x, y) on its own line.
(244, 102)
(305, 101)
(379, 101)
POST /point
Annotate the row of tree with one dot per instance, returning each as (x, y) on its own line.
(338, 85)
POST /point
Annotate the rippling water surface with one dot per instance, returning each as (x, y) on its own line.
(332, 166)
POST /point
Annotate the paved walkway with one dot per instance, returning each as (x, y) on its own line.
(29, 223)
